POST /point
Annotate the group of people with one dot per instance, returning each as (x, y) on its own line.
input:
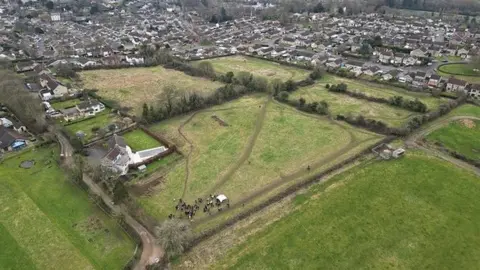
(189, 210)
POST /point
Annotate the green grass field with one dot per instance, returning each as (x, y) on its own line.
(65, 104)
(287, 143)
(381, 90)
(101, 120)
(466, 110)
(46, 222)
(258, 67)
(139, 140)
(132, 87)
(460, 69)
(343, 104)
(460, 136)
(401, 214)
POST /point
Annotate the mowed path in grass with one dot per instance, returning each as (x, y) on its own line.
(401, 214)
(257, 67)
(345, 105)
(132, 87)
(288, 142)
(461, 136)
(48, 223)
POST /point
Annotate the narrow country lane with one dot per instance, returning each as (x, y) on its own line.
(151, 252)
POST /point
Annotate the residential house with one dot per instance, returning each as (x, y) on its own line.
(406, 77)
(398, 59)
(90, 107)
(434, 81)
(385, 56)
(456, 85)
(119, 155)
(419, 53)
(474, 91)
(372, 71)
(409, 61)
(10, 140)
(390, 75)
(53, 86)
(354, 65)
(334, 63)
(462, 53)
(25, 66)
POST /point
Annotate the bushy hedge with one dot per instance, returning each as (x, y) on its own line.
(397, 101)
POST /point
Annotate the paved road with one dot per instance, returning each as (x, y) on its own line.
(151, 252)
(413, 141)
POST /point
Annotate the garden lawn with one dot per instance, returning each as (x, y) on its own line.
(461, 136)
(382, 90)
(344, 104)
(101, 120)
(65, 104)
(139, 140)
(258, 67)
(132, 87)
(47, 222)
(400, 214)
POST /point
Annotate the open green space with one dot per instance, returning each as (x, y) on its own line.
(466, 110)
(382, 90)
(243, 158)
(460, 69)
(66, 104)
(462, 136)
(139, 140)
(258, 67)
(132, 87)
(46, 222)
(345, 105)
(100, 121)
(400, 214)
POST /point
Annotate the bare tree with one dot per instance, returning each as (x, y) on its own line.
(174, 235)
(26, 106)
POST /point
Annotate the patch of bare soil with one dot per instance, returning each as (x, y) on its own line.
(468, 123)
(144, 189)
(219, 120)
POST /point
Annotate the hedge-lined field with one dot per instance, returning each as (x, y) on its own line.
(400, 214)
(47, 222)
(257, 67)
(132, 87)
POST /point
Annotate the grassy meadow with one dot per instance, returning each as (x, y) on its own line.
(65, 104)
(47, 222)
(462, 136)
(400, 214)
(258, 67)
(381, 90)
(343, 104)
(227, 160)
(139, 140)
(132, 87)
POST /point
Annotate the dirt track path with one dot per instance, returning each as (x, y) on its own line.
(302, 172)
(192, 146)
(247, 150)
(414, 141)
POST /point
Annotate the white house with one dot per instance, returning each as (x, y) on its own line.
(456, 85)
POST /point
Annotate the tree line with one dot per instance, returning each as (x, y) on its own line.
(397, 101)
